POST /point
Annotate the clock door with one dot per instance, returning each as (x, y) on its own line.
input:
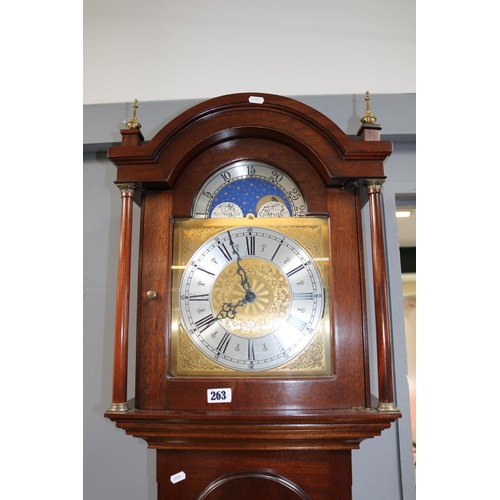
(187, 289)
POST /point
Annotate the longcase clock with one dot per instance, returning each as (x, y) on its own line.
(252, 367)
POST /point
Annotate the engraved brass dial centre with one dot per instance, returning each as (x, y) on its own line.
(267, 304)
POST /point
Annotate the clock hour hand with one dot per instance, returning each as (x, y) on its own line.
(229, 310)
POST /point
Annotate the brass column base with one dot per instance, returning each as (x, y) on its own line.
(118, 407)
(387, 408)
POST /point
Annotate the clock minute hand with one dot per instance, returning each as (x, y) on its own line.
(244, 279)
(242, 273)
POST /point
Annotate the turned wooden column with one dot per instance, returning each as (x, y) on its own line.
(381, 298)
(120, 363)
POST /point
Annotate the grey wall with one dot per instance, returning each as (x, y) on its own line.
(119, 467)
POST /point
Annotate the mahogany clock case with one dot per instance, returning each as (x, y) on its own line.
(280, 437)
(321, 160)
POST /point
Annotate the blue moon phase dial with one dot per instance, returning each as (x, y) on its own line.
(249, 187)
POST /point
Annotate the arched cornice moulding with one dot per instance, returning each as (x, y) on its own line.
(225, 120)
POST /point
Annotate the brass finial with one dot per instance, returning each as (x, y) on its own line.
(133, 122)
(368, 116)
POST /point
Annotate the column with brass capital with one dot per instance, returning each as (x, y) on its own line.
(381, 296)
(120, 363)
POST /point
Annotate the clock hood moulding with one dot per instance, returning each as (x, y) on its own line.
(337, 158)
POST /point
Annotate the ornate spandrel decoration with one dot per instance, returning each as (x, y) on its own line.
(312, 358)
(191, 239)
(308, 237)
(192, 359)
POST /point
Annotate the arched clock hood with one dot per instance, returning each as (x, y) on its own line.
(223, 120)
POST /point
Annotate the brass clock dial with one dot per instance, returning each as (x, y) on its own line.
(249, 187)
(251, 297)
